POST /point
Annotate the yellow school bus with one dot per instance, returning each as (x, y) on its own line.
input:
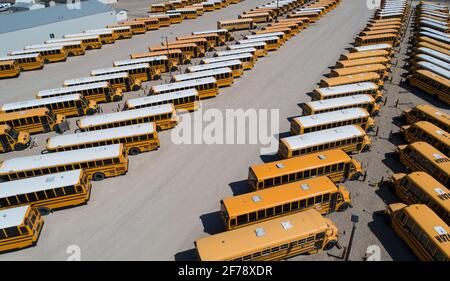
(294, 27)
(105, 36)
(422, 230)
(427, 132)
(366, 102)
(49, 54)
(421, 188)
(386, 38)
(26, 62)
(163, 19)
(431, 83)
(39, 120)
(73, 48)
(206, 87)
(89, 41)
(121, 80)
(135, 26)
(381, 69)
(236, 67)
(150, 23)
(334, 163)
(362, 55)
(182, 100)
(98, 92)
(351, 79)
(233, 25)
(140, 72)
(119, 32)
(202, 44)
(275, 239)
(318, 193)
(20, 227)
(363, 88)
(262, 17)
(223, 76)
(426, 112)
(188, 50)
(48, 192)
(190, 13)
(363, 61)
(12, 140)
(174, 57)
(97, 163)
(9, 68)
(224, 34)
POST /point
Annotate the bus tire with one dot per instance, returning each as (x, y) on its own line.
(135, 87)
(356, 176)
(158, 128)
(44, 210)
(117, 98)
(330, 245)
(343, 207)
(134, 151)
(90, 111)
(98, 176)
(19, 147)
(376, 113)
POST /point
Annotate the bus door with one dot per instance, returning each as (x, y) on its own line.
(333, 201)
(44, 122)
(4, 143)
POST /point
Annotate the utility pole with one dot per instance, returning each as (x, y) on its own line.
(354, 219)
(169, 62)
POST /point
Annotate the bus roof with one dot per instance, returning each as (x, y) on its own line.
(432, 30)
(183, 84)
(434, 53)
(87, 33)
(100, 135)
(373, 47)
(60, 158)
(347, 79)
(434, 131)
(71, 89)
(227, 58)
(343, 71)
(229, 244)
(13, 216)
(40, 183)
(201, 74)
(271, 197)
(342, 101)
(331, 117)
(235, 21)
(123, 27)
(262, 39)
(435, 36)
(347, 88)
(434, 65)
(234, 52)
(434, 112)
(434, 24)
(91, 79)
(39, 102)
(119, 69)
(434, 155)
(157, 15)
(245, 46)
(30, 51)
(95, 120)
(63, 44)
(323, 136)
(18, 57)
(139, 60)
(202, 67)
(24, 114)
(209, 31)
(264, 35)
(158, 98)
(87, 36)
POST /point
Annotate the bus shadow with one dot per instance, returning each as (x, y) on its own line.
(393, 245)
(310, 94)
(390, 160)
(188, 255)
(267, 158)
(386, 193)
(239, 187)
(212, 223)
(427, 97)
(282, 135)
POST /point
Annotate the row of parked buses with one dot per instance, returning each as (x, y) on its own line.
(430, 55)
(422, 218)
(189, 9)
(61, 175)
(277, 223)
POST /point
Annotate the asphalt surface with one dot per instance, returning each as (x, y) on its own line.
(170, 198)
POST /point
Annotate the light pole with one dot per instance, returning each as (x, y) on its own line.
(276, 14)
(169, 62)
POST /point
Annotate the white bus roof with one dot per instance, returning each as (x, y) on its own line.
(139, 60)
(158, 98)
(178, 11)
(157, 15)
(271, 34)
(373, 47)
(61, 44)
(13, 216)
(434, 60)
(92, 79)
(323, 136)
(59, 158)
(39, 102)
(316, 9)
(40, 183)
(434, 53)
(202, 67)
(100, 135)
(262, 39)
(227, 58)
(31, 51)
(434, 24)
(437, 32)
(87, 35)
(437, 14)
(234, 52)
(108, 29)
(18, 57)
(71, 89)
(244, 46)
(119, 69)
(332, 116)
(183, 84)
(435, 36)
(337, 102)
(356, 87)
(201, 74)
(434, 68)
(209, 31)
(95, 120)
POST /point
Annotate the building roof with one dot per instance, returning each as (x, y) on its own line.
(17, 21)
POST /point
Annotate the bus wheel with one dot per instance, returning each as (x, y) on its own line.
(134, 151)
(330, 245)
(90, 111)
(135, 87)
(366, 148)
(343, 207)
(158, 128)
(98, 176)
(117, 98)
(19, 147)
(356, 176)
(44, 211)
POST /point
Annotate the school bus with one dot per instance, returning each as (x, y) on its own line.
(158, 8)
(174, 57)
(268, 30)
(379, 31)
(350, 116)
(362, 55)
(435, 66)
(262, 17)
(212, 39)
(197, 7)
(188, 13)
(98, 92)
(374, 47)
(12, 140)
(334, 163)
(223, 34)
(26, 62)
(350, 138)
(182, 100)
(105, 36)
(159, 64)
(164, 116)
(421, 156)
(261, 48)
(48, 192)
(49, 54)
(381, 69)
(275, 239)
(141, 72)
(439, 54)
(119, 32)
(90, 41)
(320, 194)
(136, 27)
(294, 27)
(163, 19)
(437, 37)
(136, 139)
(426, 112)
(421, 188)
(73, 48)
(150, 23)
(363, 88)
(302, 22)
(97, 163)
(272, 42)
(430, 40)
(422, 230)
(9, 68)
(250, 50)
(39, 120)
(427, 132)
(206, 87)
(364, 61)
(425, 45)
(223, 76)
(189, 50)
(67, 105)
(238, 24)
(351, 79)
(121, 80)
(235, 65)
(281, 35)
(247, 59)
(202, 45)
(362, 101)
(431, 83)
(175, 17)
(20, 227)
